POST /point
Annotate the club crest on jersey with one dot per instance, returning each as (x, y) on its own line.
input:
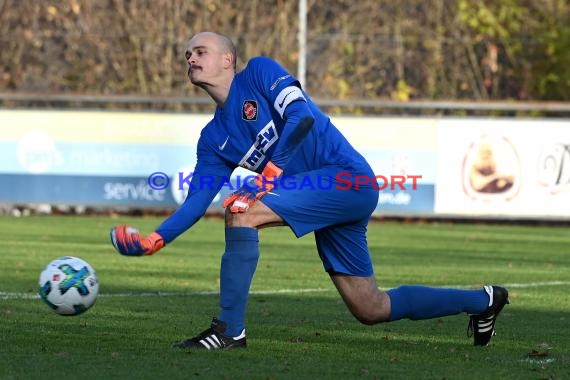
(263, 141)
(249, 110)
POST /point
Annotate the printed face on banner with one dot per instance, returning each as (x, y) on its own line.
(491, 169)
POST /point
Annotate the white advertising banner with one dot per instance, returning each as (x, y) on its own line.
(503, 168)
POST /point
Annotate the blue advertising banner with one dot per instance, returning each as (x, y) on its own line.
(97, 158)
(82, 190)
(409, 201)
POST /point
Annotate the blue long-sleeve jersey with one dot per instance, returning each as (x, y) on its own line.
(267, 116)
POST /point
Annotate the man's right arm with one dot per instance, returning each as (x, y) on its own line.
(210, 174)
(194, 207)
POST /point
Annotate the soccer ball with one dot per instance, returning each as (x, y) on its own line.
(69, 285)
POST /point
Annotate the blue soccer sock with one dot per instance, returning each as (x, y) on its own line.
(422, 302)
(238, 266)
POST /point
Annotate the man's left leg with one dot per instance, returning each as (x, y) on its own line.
(371, 305)
(345, 255)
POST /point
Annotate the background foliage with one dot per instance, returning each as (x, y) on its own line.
(372, 49)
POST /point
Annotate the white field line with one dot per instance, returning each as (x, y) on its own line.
(24, 296)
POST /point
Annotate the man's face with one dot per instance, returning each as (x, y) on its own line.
(205, 59)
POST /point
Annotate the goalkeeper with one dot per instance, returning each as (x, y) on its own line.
(266, 123)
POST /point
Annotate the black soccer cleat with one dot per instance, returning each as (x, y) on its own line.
(482, 326)
(213, 339)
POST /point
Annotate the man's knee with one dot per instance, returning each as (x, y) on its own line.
(240, 219)
(370, 314)
(368, 304)
(257, 216)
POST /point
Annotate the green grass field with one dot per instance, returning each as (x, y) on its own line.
(298, 328)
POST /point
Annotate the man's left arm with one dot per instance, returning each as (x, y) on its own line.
(298, 122)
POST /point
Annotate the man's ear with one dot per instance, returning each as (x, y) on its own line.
(228, 60)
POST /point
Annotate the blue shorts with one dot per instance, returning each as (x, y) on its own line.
(336, 212)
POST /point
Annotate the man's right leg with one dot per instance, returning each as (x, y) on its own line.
(238, 266)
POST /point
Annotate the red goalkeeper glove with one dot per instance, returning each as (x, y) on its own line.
(254, 189)
(127, 241)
